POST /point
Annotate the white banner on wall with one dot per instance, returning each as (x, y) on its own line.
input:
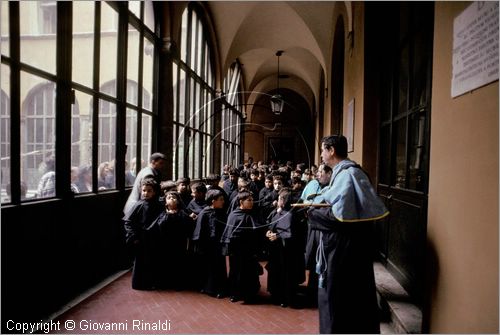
(475, 47)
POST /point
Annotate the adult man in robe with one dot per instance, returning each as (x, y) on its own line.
(153, 170)
(347, 300)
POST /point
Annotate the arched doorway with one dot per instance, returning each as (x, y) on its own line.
(289, 136)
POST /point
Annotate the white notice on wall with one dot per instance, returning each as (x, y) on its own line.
(475, 47)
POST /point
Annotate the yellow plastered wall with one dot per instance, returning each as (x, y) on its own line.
(463, 195)
(354, 80)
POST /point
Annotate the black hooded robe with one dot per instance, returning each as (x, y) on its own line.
(144, 242)
(207, 246)
(240, 242)
(286, 258)
(174, 230)
(347, 303)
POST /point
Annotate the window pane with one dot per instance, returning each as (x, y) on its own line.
(211, 116)
(175, 88)
(199, 52)
(192, 110)
(417, 152)
(203, 110)
(106, 142)
(5, 134)
(4, 27)
(224, 124)
(180, 146)
(384, 159)
(420, 67)
(191, 154)
(207, 65)
(403, 81)
(204, 107)
(131, 142)
(196, 110)
(182, 98)
(135, 7)
(37, 29)
(192, 48)
(146, 100)
(38, 150)
(208, 156)
(109, 47)
(197, 154)
(184, 36)
(149, 15)
(148, 70)
(400, 168)
(175, 157)
(133, 63)
(83, 42)
(81, 143)
(147, 128)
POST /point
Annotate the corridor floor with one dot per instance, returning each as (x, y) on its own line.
(171, 312)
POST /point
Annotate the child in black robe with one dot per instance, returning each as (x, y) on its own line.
(240, 240)
(174, 227)
(286, 259)
(266, 198)
(141, 237)
(184, 191)
(195, 206)
(207, 234)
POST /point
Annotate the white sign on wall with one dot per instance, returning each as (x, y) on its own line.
(349, 132)
(475, 47)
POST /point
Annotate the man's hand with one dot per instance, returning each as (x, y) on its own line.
(271, 236)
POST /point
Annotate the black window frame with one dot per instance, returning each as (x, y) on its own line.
(65, 88)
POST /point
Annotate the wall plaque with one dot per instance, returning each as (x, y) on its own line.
(475, 47)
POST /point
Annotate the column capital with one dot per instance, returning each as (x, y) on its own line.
(168, 46)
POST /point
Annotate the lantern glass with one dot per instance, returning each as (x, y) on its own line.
(277, 104)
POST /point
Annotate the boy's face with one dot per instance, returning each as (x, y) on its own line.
(277, 185)
(242, 183)
(254, 177)
(268, 183)
(171, 201)
(233, 178)
(246, 203)
(197, 195)
(281, 202)
(147, 192)
(182, 188)
(218, 202)
(323, 177)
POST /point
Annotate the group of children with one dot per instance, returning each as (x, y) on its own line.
(182, 238)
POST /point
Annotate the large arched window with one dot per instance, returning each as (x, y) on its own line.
(232, 113)
(98, 131)
(193, 82)
(96, 95)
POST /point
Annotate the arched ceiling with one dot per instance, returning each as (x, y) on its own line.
(252, 32)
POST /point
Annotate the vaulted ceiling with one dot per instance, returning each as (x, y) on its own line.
(252, 32)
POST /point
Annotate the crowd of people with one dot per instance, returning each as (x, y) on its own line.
(81, 177)
(245, 214)
(303, 224)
